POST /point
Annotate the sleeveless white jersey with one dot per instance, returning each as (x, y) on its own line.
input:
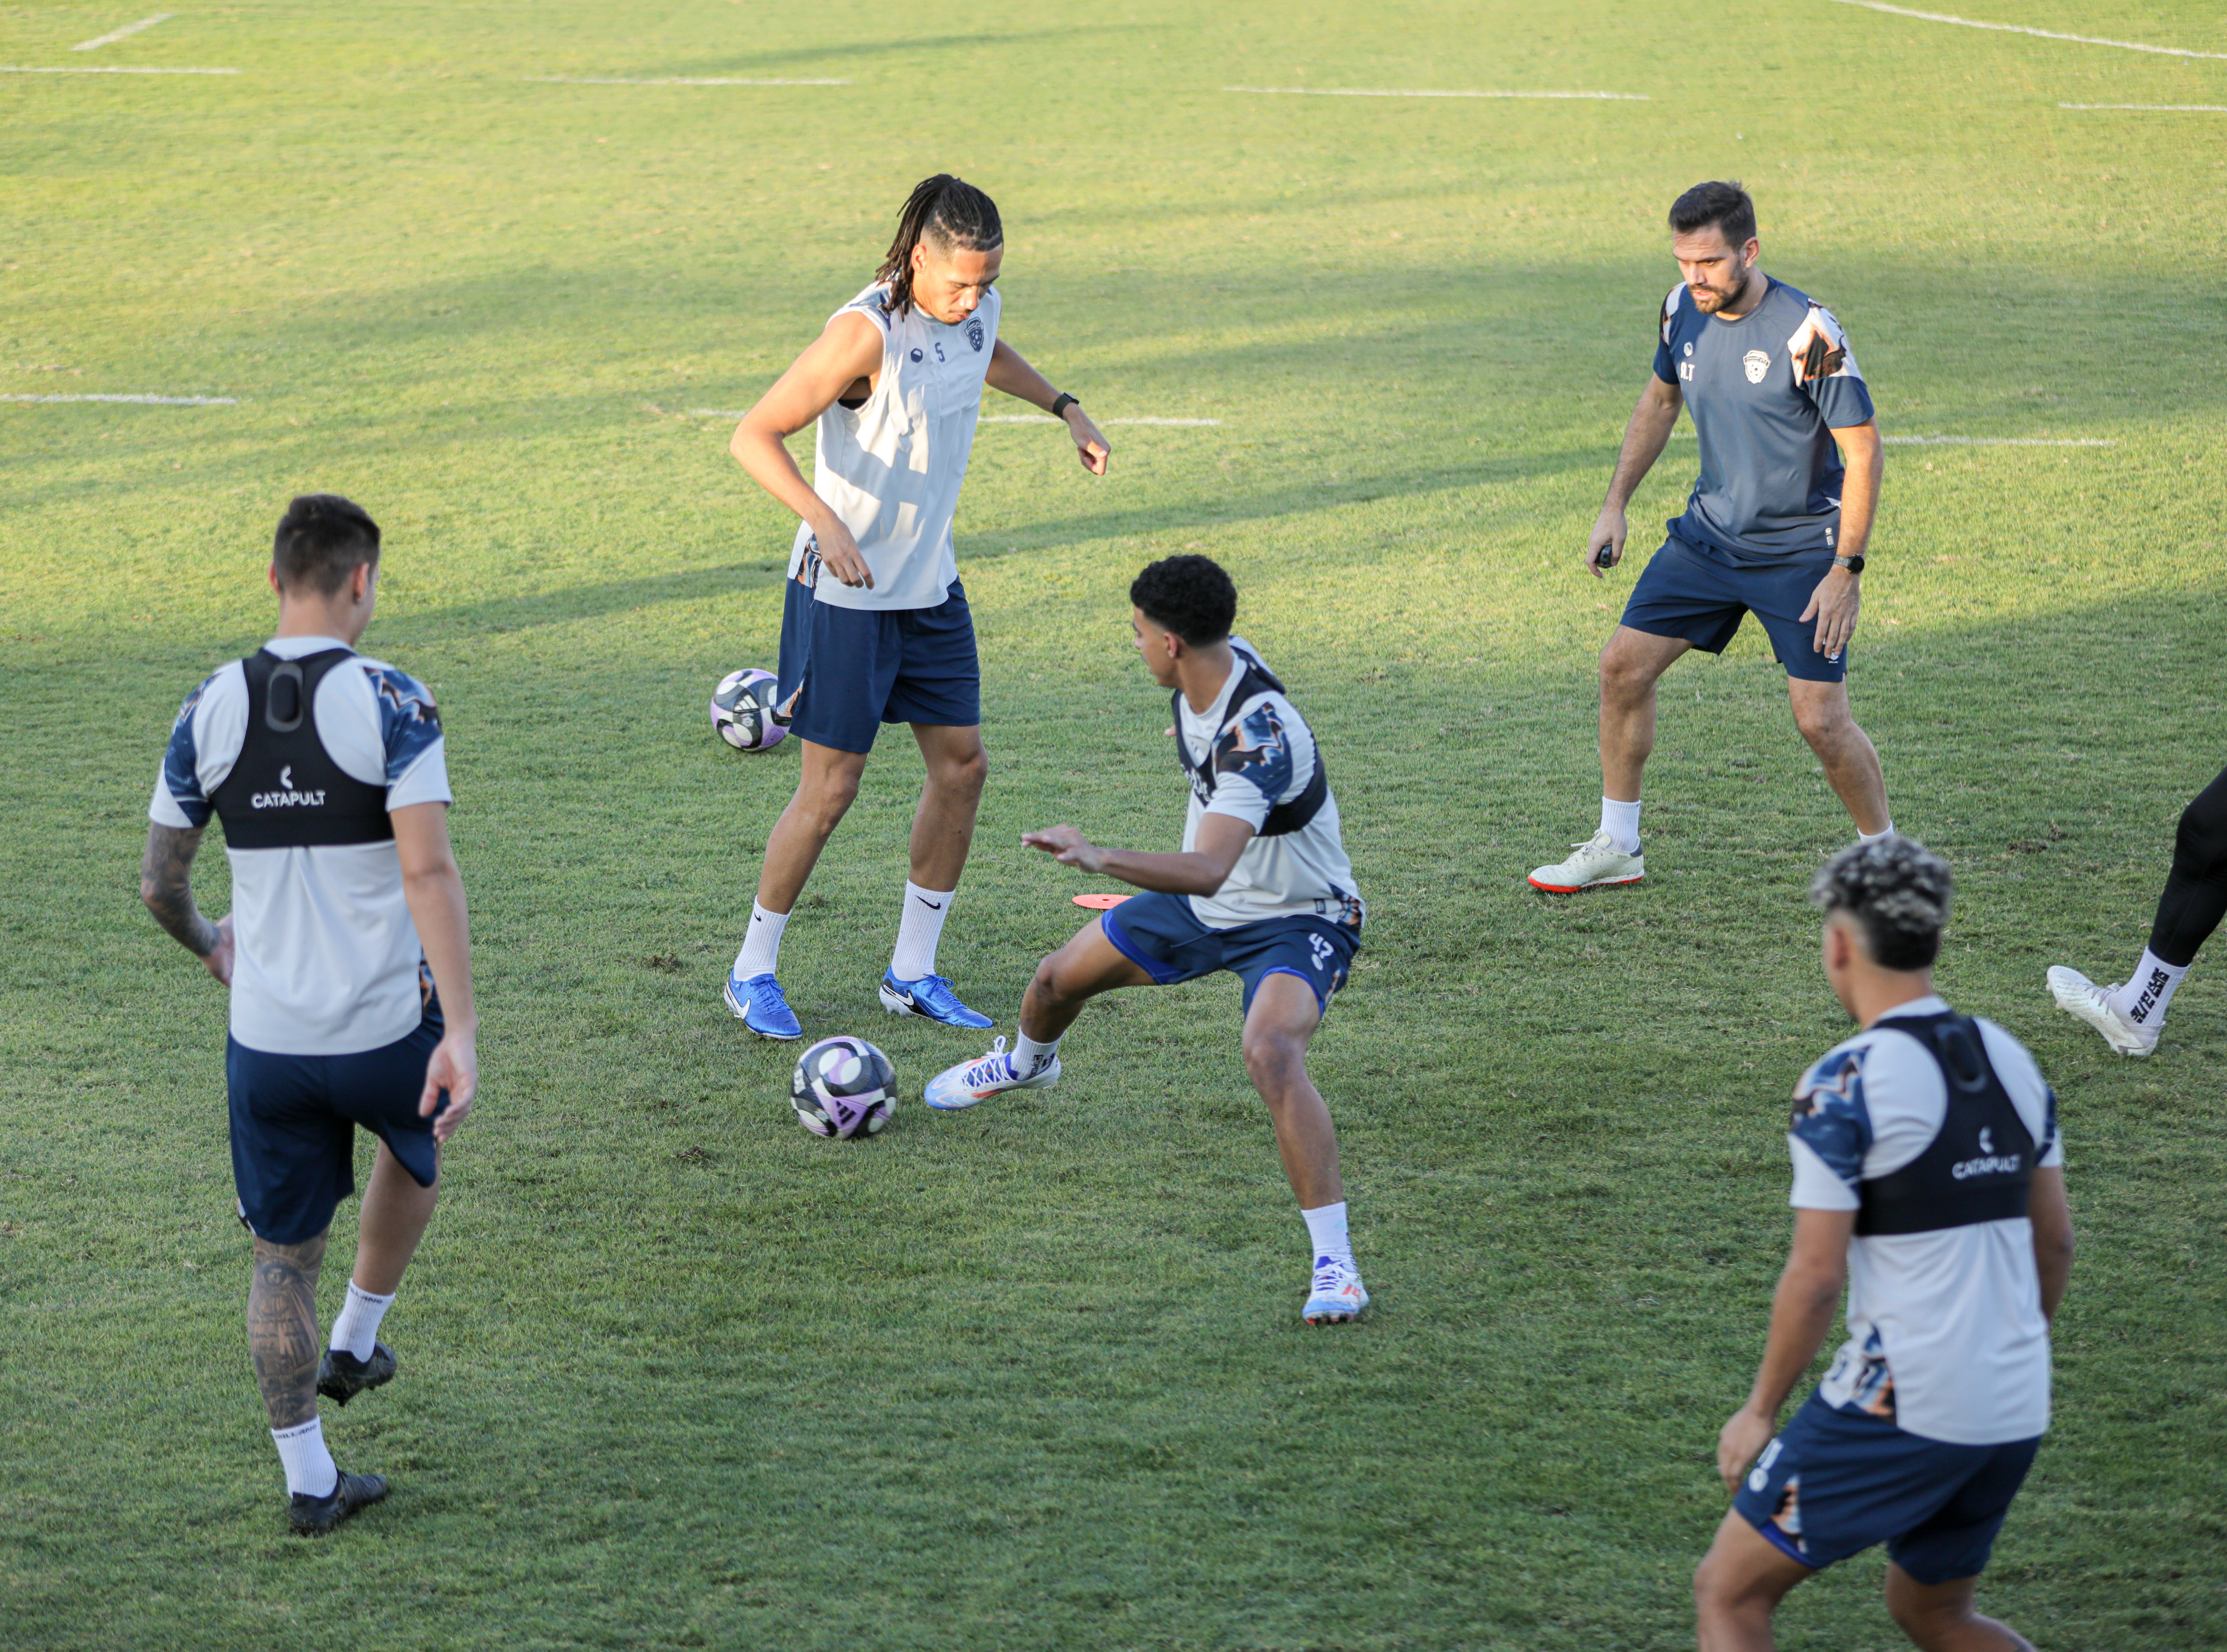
(892, 468)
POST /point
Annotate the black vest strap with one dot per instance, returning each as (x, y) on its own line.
(1979, 1166)
(1253, 678)
(285, 792)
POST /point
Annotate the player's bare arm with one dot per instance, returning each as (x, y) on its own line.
(844, 361)
(1645, 434)
(2051, 1220)
(1838, 597)
(1011, 373)
(166, 885)
(435, 893)
(1221, 839)
(1801, 1316)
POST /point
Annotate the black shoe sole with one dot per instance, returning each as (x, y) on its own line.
(314, 1517)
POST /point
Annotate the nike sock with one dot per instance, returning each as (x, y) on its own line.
(1621, 822)
(310, 1470)
(1029, 1056)
(2143, 998)
(761, 953)
(356, 1328)
(1326, 1227)
(919, 930)
(1886, 831)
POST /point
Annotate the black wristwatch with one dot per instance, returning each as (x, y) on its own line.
(1854, 564)
(1061, 403)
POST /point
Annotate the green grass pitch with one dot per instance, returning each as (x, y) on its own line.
(678, 1374)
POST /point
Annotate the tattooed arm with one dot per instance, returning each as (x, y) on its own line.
(166, 885)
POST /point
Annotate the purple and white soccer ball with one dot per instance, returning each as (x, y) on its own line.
(843, 1088)
(744, 711)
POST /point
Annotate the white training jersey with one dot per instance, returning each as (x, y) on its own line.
(1267, 757)
(891, 467)
(1945, 1329)
(325, 955)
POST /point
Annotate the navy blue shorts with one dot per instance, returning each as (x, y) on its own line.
(1697, 592)
(294, 1120)
(1159, 935)
(861, 667)
(1834, 1482)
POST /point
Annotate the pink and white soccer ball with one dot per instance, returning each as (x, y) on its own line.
(843, 1088)
(744, 711)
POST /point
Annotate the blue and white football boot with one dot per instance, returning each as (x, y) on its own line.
(977, 1081)
(1337, 1294)
(930, 996)
(759, 1005)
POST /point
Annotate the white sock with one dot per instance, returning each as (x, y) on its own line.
(1326, 1227)
(2143, 998)
(356, 1328)
(1886, 831)
(310, 1470)
(1028, 1054)
(761, 953)
(1621, 822)
(919, 930)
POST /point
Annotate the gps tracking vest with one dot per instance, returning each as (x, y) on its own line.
(284, 791)
(1979, 1166)
(1256, 679)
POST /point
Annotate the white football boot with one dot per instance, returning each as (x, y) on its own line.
(2078, 996)
(1337, 1295)
(977, 1081)
(1597, 862)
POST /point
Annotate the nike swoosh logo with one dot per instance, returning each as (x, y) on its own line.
(933, 906)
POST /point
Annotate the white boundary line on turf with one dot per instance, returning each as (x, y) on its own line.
(2190, 108)
(666, 81)
(2020, 28)
(106, 68)
(1014, 419)
(124, 33)
(1361, 92)
(1976, 440)
(142, 401)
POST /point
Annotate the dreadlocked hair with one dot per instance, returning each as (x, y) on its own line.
(951, 212)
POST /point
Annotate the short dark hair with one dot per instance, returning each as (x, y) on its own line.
(1898, 890)
(1189, 595)
(321, 540)
(948, 211)
(1725, 205)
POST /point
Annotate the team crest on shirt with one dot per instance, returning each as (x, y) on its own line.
(975, 334)
(1758, 362)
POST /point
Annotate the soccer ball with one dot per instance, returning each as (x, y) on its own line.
(843, 1088)
(742, 710)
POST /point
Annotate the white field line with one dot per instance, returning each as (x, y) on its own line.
(124, 33)
(1046, 418)
(666, 81)
(1361, 92)
(142, 401)
(107, 68)
(2189, 108)
(2020, 28)
(1975, 441)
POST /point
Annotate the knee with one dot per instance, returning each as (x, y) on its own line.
(1050, 986)
(1622, 678)
(2199, 843)
(824, 801)
(1823, 726)
(967, 775)
(1271, 1058)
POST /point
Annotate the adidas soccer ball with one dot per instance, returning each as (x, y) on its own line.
(742, 711)
(843, 1088)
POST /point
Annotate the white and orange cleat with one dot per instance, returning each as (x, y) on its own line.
(1597, 863)
(1337, 1295)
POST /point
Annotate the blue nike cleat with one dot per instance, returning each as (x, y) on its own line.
(930, 996)
(758, 1004)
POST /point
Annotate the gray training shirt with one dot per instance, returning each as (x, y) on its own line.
(1770, 485)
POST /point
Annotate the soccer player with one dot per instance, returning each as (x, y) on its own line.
(2132, 1017)
(349, 961)
(876, 628)
(1261, 888)
(1928, 1175)
(1776, 524)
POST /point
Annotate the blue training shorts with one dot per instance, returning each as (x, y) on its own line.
(1834, 1482)
(294, 1120)
(861, 667)
(1159, 935)
(1697, 592)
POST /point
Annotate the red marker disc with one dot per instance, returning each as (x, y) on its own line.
(1100, 902)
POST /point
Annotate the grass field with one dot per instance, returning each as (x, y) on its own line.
(676, 1374)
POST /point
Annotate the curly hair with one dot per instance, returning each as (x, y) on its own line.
(1898, 890)
(1189, 595)
(948, 212)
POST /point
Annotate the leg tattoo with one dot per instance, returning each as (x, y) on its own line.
(282, 1329)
